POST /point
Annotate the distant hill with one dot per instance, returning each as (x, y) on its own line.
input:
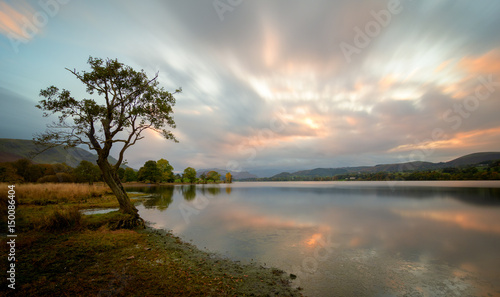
(476, 158)
(15, 149)
(471, 159)
(237, 175)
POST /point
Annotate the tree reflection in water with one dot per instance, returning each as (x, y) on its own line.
(160, 198)
(188, 192)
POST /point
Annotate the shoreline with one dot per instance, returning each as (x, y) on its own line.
(138, 262)
(60, 251)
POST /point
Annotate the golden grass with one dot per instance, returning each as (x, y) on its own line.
(61, 219)
(53, 193)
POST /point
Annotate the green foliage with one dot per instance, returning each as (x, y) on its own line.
(203, 178)
(8, 174)
(121, 173)
(129, 103)
(189, 175)
(129, 175)
(87, 172)
(166, 170)
(455, 173)
(149, 172)
(133, 102)
(213, 176)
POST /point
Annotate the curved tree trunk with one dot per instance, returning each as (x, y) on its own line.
(111, 178)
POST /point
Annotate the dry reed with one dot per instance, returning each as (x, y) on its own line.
(54, 193)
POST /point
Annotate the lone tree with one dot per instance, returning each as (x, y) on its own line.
(125, 103)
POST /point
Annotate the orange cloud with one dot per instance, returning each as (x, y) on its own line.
(476, 138)
(488, 63)
(270, 46)
(442, 66)
(12, 19)
(387, 81)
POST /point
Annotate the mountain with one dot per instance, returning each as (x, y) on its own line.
(15, 149)
(471, 159)
(476, 158)
(237, 175)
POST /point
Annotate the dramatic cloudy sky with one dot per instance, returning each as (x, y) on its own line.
(274, 84)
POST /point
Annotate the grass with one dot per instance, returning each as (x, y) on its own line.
(53, 193)
(61, 219)
(36, 201)
(61, 252)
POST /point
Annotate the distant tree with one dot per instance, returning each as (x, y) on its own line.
(129, 104)
(120, 172)
(189, 175)
(203, 178)
(229, 178)
(129, 175)
(166, 170)
(213, 176)
(34, 172)
(87, 172)
(21, 167)
(149, 172)
(8, 173)
(61, 167)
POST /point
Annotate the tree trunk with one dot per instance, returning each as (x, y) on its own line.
(111, 178)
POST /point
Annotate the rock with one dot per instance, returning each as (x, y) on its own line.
(293, 276)
(131, 257)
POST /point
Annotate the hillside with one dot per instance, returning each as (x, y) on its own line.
(476, 158)
(15, 149)
(471, 159)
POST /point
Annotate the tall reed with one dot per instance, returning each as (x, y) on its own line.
(54, 193)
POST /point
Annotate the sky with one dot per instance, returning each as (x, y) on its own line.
(271, 86)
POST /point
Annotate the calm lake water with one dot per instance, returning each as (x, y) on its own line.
(347, 238)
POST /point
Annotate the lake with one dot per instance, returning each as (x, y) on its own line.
(350, 238)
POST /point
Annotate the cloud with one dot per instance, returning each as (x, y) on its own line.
(13, 19)
(270, 86)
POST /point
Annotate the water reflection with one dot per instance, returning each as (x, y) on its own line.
(188, 192)
(336, 236)
(159, 197)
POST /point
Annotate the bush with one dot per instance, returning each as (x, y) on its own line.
(62, 219)
(48, 179)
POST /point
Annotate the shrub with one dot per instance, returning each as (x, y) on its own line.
(62, 219)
